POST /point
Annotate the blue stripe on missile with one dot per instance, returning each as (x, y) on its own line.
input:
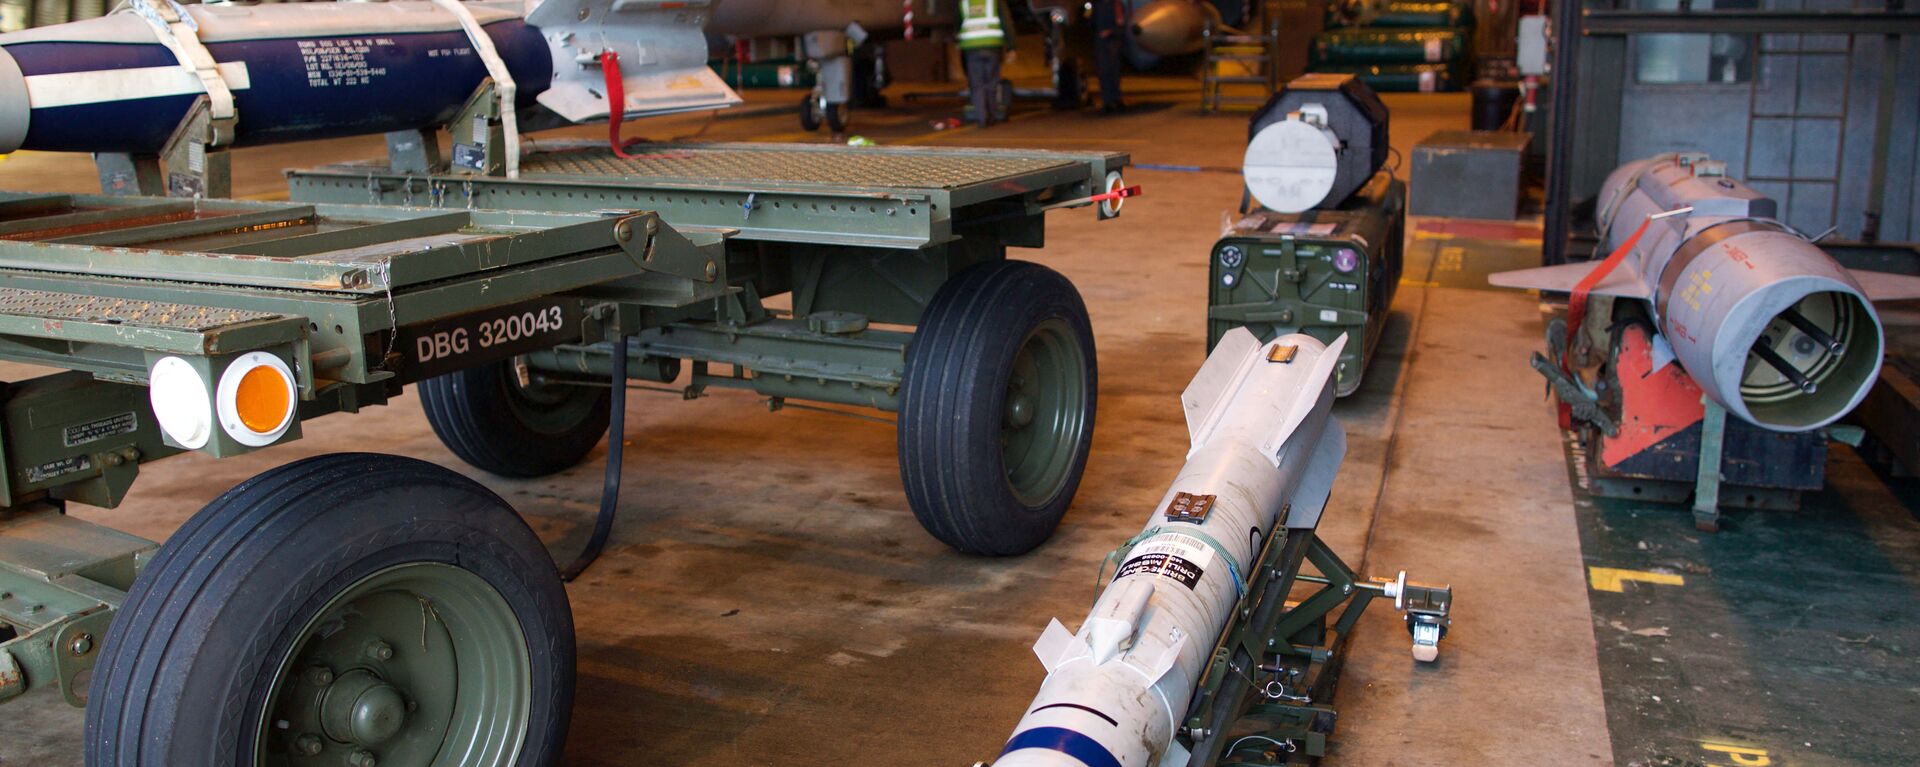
(405, 80)
(1063, 740)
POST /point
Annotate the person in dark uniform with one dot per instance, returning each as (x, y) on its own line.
(1109, 51)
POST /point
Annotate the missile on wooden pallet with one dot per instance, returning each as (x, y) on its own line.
(125, 82)
(1265, 451)
(1769, 325)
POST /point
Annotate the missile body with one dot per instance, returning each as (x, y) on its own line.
(300, 71)
(1173, 27)
(1263, 444)
(1769, 325)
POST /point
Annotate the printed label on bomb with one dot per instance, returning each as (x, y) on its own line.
(1175, 557)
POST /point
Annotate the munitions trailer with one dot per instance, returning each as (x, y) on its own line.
(360, 608)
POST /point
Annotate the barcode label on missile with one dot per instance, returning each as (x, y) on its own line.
(1175, 557)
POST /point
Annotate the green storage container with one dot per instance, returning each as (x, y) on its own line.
(1421, 13)
(1353, 47)
(1399, 14)
(778, 73)
(1404, 78)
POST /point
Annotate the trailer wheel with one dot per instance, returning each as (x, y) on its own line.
(997, 406)
(347, 609)
(494, 423)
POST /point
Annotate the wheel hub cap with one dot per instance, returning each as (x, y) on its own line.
(1044, 418)
(361, 708)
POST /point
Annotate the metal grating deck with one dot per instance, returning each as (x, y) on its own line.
(735, 165)
(160, 315)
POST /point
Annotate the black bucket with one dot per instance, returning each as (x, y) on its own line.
(1493, 100)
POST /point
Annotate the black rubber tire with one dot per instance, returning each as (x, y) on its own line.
(839, 116)
(183, 674)
(483, 416)
(810, 113)
(953, 396)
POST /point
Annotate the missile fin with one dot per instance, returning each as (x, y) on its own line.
(1316, 486)
(1884, 286)
(662, 54)
(1110, 631)
(1303, 406)
(1623, 283)
(1057, 645)
(1210, 385)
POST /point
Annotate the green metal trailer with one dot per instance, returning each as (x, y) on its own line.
(357, 609)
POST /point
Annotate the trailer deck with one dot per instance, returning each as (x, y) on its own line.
(886, 197)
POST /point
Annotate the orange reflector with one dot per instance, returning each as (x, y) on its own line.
(261, 400)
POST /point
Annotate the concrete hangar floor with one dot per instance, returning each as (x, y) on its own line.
(768, 599)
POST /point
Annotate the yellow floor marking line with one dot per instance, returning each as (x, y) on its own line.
(1614, 579)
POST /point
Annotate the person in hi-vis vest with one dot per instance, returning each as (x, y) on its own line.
(983, 40)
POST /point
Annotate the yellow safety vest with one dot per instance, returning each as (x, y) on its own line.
(980, 25)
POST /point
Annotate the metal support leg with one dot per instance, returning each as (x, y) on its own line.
(1706, 489)
(415, 151)
(128, 175)
(194, 163)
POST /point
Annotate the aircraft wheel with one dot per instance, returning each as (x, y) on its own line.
(347, 609)
(811, 112)
(997, 407)
(498, 425)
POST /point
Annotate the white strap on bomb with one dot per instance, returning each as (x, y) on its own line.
(180, 33)
(503, 86)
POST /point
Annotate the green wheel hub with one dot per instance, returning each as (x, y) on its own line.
(417, 664)
(1044, 415)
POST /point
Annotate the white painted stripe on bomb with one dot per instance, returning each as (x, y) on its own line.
(66, 89)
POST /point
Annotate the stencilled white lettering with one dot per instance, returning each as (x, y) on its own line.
(341, 62)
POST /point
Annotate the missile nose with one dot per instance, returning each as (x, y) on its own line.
(1173, 27)
(15, 111)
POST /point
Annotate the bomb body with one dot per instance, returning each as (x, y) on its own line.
(1769, 325)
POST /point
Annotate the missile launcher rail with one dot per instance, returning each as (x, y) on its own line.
(219, 326)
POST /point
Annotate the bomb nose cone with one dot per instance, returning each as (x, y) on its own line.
(1173, 27)
(15, 112)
